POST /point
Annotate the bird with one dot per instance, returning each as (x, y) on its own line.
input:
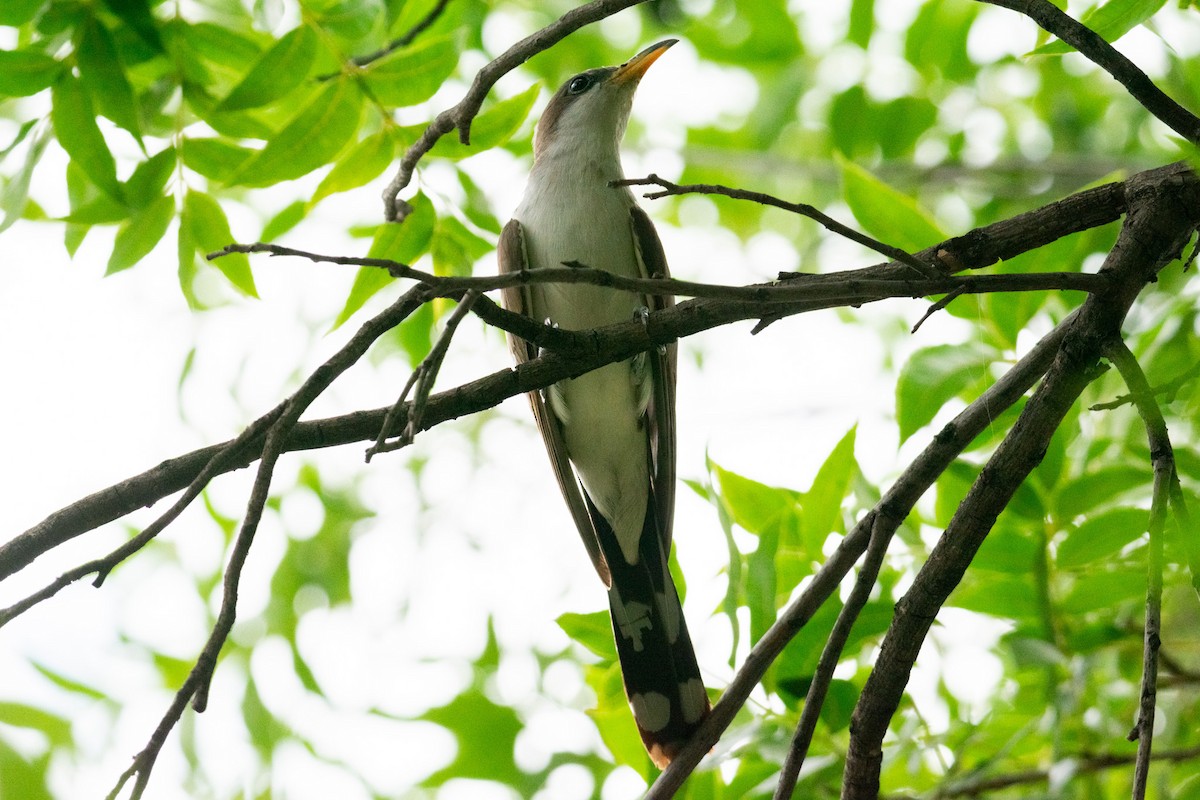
(610, 433)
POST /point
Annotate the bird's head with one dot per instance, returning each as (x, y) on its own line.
(587, 115)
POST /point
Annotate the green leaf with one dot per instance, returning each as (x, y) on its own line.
(1007, 548)
(136, 14)
(208, 230)
(349, 20)
(22, 132)
(1101, 536)
(862, 22)
(26, 72)
(998, 595)
(952, 486)
(839, 704)
(412, 75)
(138, 235)
(278, 71)
(798, 662)
(57, 729)
(415, 334)
(309, 141)
(287, 218)
(185, 248)
(1105, 485)
(1112, 20)
(933, 376)
(147, 182)
(823, 501)
(362, 164)
(1104, 591)
(486, 734)
(104, 77)
(70, 684)
(15, 195)
(79, 192)
(403, 242)
(936, 41)
(456, 248)
(17, 12)
(215, 159)
(492, 128)
(613, 718)
(593, 631)
(77, 132)
(885, 213)
(774, 515)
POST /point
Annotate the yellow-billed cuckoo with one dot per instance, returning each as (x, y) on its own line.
(610, 433)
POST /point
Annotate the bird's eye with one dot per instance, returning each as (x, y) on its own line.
(579, 84)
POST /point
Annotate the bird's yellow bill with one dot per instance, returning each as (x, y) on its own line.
(635, 68)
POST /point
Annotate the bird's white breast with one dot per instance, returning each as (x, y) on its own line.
(583, 219)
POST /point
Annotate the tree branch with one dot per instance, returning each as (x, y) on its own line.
(804, 209)
(1091, 45)
(1155, 230)
(977, 786)
(883, 520)
(195, 686)
(422, 378)
(461, 115)
(847, 287)
(830, 655)
(407, 38)
(976, 249)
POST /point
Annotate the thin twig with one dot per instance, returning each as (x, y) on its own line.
(221, 461)
(1162, 456)
(422, 377)
(1092, 46)
(849, 286)
(815, 698)
(1169, 389)
(460, 116)
(407, 38)
(936, 307)
(1087, 763)
(803, 209)
(195, 686)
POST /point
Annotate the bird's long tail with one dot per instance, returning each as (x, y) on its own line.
(662, 678)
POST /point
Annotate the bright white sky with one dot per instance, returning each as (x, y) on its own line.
(92, 366)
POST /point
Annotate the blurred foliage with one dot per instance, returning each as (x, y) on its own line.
(910, 116)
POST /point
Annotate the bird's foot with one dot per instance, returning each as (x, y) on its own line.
(642, 314)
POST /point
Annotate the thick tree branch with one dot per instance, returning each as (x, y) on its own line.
(1090, 44)
(978, 248)
(883, 520)
(461, 115)
(195, 686)
(1155, 230)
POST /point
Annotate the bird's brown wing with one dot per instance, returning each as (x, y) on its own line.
(512, 258)
(652, 261)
